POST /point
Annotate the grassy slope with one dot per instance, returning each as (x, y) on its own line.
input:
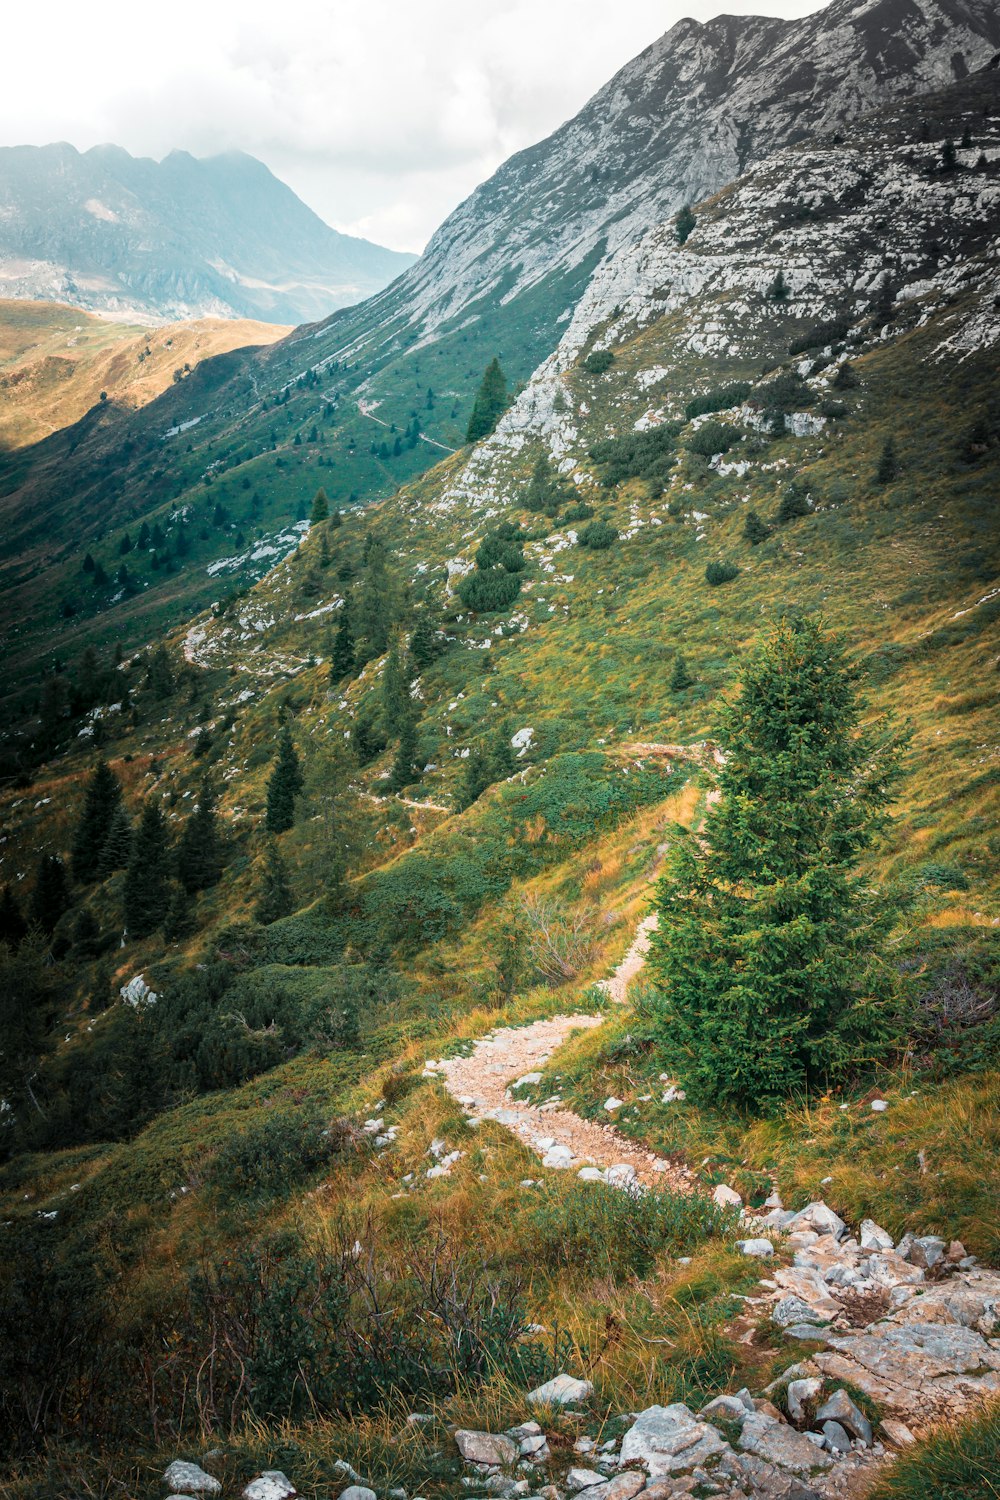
(56, 360)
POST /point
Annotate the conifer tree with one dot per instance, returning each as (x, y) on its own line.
(376, 608)
(888, 464)
(404, 767)
(117, 846)
(395, 694)
(755, 530)
(490, 403)
(12, 923)
(770, 942)
(779, 289)
(320, 508)
(502, 763)
(342, 654)
(50, 897)
(684, 224)
(680, 677)
(475, 777)
(102, 799)
(147, 878)
(538, 495)
(275, 896)
(284, 785)
(199, 856)
(423, 645)
(179, 921)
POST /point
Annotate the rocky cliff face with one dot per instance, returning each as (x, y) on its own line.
(180, 238)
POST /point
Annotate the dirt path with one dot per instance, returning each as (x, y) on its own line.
(563, 1139)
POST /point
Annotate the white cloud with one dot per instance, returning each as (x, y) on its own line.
(382, 114)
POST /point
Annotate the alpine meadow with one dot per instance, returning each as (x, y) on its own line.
(500, 786)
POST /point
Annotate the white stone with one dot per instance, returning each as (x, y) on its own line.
(879, 1106)
(612, 1103)
(562, 1390)
(189, 1479)
(873, 1236)
(726, 1197)
(760, 1249)
(271, 1485)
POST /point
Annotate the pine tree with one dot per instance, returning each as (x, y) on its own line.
(320, 508)
(490, 403)
(103, 796)
(754, 529)
(147, 878)
(770, 948)
(180, 920)
(284, 785)
(395, 696)
(88, 564)
(275, 898)
(86, 932)
(502, 763)
(888, 464)
(376, 606)
(680, 677)
(949, 156)
(12, 923)
(117, 846)
(199, 855)
(794, 503)
(684, 224)
(160, 673)
(423, 644)
(475, 778)
(404, 767)
(342, 654)
(50, 897)
(779, 289)
(538, 495)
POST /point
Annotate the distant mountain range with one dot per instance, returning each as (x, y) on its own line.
(181, 238)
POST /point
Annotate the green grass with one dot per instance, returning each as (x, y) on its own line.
(962, 1462)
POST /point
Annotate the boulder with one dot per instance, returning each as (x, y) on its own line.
(897, 1433)
(271, 1485)
(357, 1492)
(667, 1439)
(583, 1479)
(840, 1408)
(836, 1439)
(190, 1479)
(873, 1237)
(562, 1390)
(780, 1444)
(534, 1446)
(818, 1217)
(793, 1309)
(759, 1249)
(623, 1487)
(729, 1407)
(726, 1197)
(492, 1449)
(926, 1251)
(620, 1175)
(802, 1394)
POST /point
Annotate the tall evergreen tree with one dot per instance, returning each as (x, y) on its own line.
(888, 464)
(395, 693)
(755, 530)
(50, 897)
(342, 653)
(502, 762)
(103, 797)
(423, 644)
(684, 224)
(769, 950)
(475, 777)
(680, 677)
(320, 508)
(284, 785)
(275, 896)
(147, 879)
(117, 846)
(199, 853)
(404, 767)
(12, 923)
(376, 606)
(490, 403)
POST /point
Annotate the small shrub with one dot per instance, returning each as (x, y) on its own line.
(794, 503)
(275, 1154)
(598, 536)
(581, 511)
(712, 438)
(820, 335)
(888, 464)
(598, 362)
(755, 530)
(846, 377)
(684, 224)
(720, 398)
(638, 455)
(717, 573)
(779, 290)
(961, 1461)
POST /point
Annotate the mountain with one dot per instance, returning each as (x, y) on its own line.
(56, 360)
(305, 1168)
(181, 238)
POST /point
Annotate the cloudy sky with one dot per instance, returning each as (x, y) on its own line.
(381, 114)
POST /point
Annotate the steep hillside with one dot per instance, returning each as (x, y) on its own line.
(55, 361)
(373, 396)
(181, 238)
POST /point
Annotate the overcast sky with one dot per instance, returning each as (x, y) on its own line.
(381, 114)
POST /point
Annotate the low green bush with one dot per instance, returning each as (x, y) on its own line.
(712, 438)
(275, 1154)
(717, 573)
(720, 398)
(638, 455)
(598, 362)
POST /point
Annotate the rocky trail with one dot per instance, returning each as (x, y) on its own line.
(485, 1084)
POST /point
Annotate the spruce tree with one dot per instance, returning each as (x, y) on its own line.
(684, 224)
(320, 508)
(770, 948)
(502, 763)
(12, 923)
(180, 920)
(147, 879)
(275, 898)
(404, 767)
(395, 694)
(888, 464)
(102, 799)
(199, 855)
(50, 897)
(475, 778)
(490, 403)
(117, 846)
(538, 495)
(284, 785)
(755, 530)
(423, 644)
(376, 605)
(342, 653)
(680, 677)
